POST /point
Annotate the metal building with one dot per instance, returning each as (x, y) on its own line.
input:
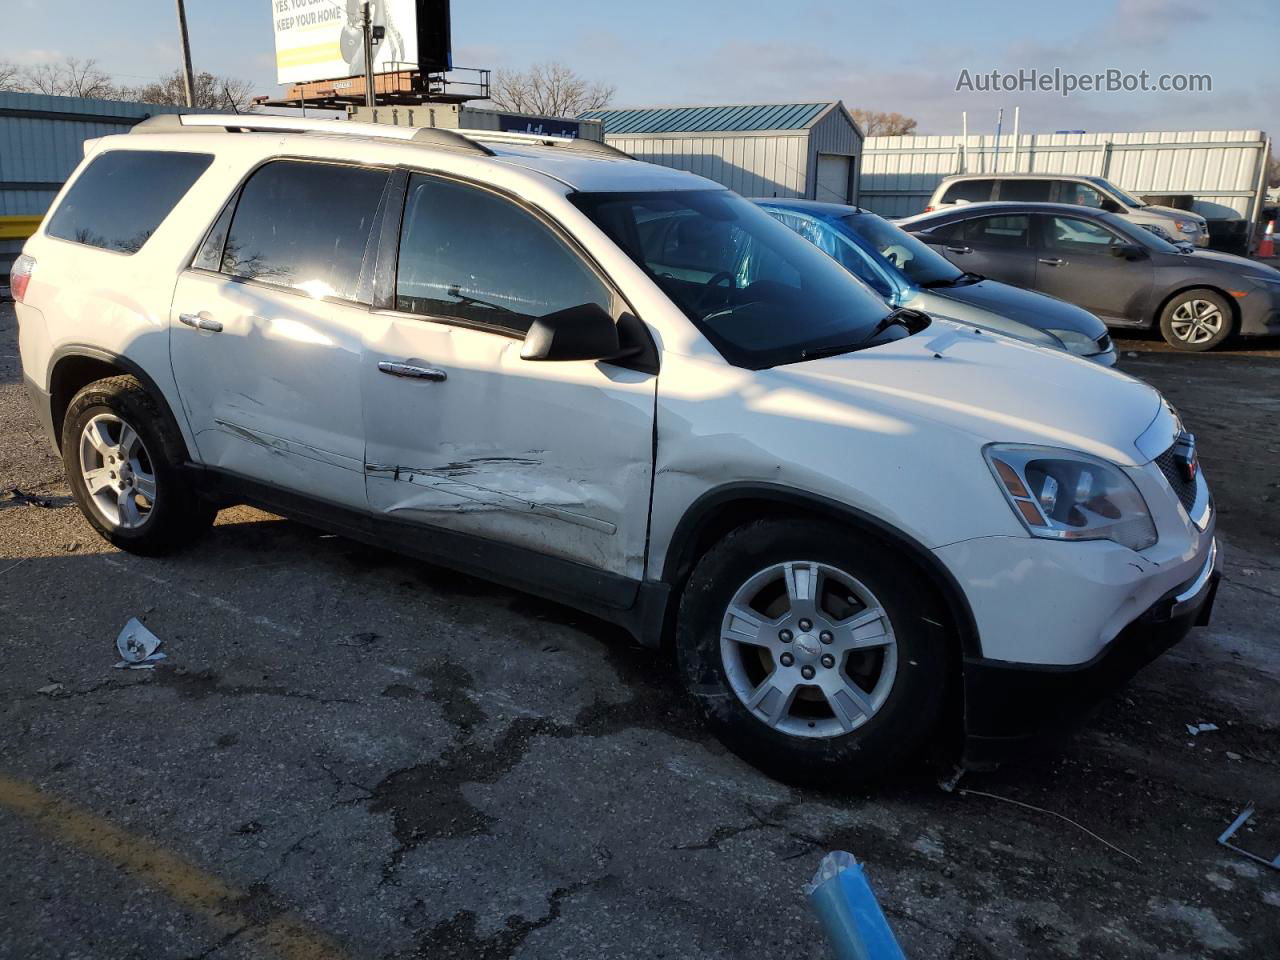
(1221, 172)
(761, 150)
(41, 141)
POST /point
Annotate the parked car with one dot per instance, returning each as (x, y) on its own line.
(626, 388)
(908, 273)
(1093, 192)
(1128, 276)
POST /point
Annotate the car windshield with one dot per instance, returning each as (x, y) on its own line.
(1127, 199)
(1136, 234)
(761, 294)
(903, 252)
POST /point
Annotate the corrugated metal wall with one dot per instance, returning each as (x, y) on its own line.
(1220, 168)
(41, 141)
(765, 164)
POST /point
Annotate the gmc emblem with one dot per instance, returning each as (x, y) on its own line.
(1184, 455)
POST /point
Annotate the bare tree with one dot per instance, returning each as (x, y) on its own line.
(70, 78)
(210, 92)
(10, 76)
(877, 123)
(548, 89)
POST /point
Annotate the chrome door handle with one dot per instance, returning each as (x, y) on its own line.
(415, 370)
(1052, 261)
(959, 249)
(200, 323)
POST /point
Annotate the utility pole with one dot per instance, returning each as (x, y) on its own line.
(188, 81)
(367, 23)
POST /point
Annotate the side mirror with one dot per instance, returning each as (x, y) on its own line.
(584, 332)
(1129, 251)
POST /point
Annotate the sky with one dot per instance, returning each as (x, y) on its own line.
(903, 57)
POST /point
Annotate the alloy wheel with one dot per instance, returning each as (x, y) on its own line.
(1196, 321)
(118, 472)
(808, 649)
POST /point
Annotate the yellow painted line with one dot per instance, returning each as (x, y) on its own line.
(215, 901)
(18, 228)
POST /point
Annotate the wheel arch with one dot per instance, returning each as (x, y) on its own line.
(718, 511)
(76, 365)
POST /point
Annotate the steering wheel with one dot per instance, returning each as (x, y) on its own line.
(711, 284)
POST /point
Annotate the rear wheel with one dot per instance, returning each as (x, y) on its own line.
(808, 650)
(123, 462)
(1196, 320)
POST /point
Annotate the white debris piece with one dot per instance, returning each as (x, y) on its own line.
(138, 647)
(1197, 728)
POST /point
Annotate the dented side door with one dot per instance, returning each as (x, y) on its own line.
(555, 457)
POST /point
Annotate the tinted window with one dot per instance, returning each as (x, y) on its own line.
(307, 226)
(471, 254)
(1078, 236)
(830, 241)
(921, 265)
(123, 196)
(998, 231)
(974, 191)
(1071, 192)
(1026, 191)
(760, 293)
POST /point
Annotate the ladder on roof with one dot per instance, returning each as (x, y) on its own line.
(467, 141)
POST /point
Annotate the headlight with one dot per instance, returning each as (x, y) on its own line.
(1187, 226)
(1068, 495)
(1076, 342)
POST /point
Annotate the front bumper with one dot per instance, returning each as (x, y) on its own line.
(1010, 706)
(1260, 311)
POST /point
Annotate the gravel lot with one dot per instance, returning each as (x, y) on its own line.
(349, 754)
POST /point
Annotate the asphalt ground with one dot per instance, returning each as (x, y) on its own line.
(349, 754)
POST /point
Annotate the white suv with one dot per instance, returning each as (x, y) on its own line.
(1096, 192)
(625, 388)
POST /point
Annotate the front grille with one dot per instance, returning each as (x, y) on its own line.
(1184, 489)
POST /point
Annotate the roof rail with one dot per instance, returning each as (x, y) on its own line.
(467, 141)
(267, 123)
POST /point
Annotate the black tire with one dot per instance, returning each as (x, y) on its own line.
(893, 735)
(1174, 324)
(178, 515)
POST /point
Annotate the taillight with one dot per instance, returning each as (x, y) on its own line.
(20, 276)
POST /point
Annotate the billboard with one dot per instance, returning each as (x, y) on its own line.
(323, 40)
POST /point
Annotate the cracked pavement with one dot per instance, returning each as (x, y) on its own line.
(351, 754)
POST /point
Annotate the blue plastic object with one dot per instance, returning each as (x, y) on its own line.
(849, 912)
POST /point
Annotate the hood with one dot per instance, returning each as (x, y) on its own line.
(1229, 261)
(995, 389)
(1025, 306)
(967, 314)
(1173, 212)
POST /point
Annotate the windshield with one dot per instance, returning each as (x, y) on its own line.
(1136, 234)
(760, 293)
(1127, 199)
(903, 252)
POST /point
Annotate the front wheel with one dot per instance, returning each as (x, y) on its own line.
(1196, 320)
(811, 652)
(123, 461)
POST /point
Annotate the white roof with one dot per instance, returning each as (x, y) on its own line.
(592, 174)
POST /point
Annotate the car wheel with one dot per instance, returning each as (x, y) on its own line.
(812, 655)
(1196, 320)
(123, 461)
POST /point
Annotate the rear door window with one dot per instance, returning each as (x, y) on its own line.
(971, 191)
(306, 226)
(475, 256)
(1008, 232)
(1026, 191)
(123, 196)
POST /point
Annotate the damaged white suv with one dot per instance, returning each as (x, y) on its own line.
(625, 388)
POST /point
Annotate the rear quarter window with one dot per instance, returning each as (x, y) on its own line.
(123, 196)
(974, 191)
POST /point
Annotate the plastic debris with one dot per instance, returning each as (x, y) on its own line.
(849, 912)
(1236, 824)
(138, 646)
(1233, 756)
(51, 689)
(1198, 728)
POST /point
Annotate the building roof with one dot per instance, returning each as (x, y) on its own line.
(761, 116)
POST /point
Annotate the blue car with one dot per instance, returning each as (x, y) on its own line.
(907, 273)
